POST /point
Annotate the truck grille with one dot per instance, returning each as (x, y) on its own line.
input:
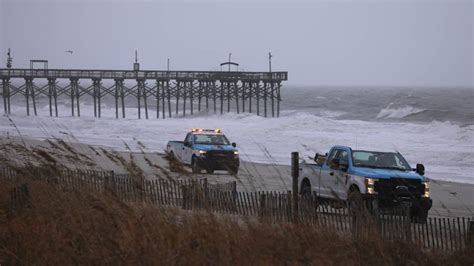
(220, 155)
(399, 187)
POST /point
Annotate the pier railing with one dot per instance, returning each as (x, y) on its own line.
(144, 74)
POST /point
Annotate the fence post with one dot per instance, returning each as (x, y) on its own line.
(470, 235)
(263, 206)
(141, 188)
(289, 213)
(206, 193)
(406, 215)
(234, 195)
(110, 182)
(107, 181)
(295, 174)
(374, 206)
(185, 194)
(26, 195)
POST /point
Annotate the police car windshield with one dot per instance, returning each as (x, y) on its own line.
(373, 159)
(211, 139)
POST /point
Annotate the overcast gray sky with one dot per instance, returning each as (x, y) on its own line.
(321, 43)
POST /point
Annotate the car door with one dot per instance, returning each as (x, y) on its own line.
(326, 180)
(333, 180)
(340, 175)
(186, 150)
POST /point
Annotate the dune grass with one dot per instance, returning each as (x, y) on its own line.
(60, 227)
(80, 227)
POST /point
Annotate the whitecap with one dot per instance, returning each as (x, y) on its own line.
(399, 112)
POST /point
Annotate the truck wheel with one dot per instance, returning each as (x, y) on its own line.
(172, 163)
(233, 171)
(306, 189)
(195, 166)
(355, 202)
(421, 217)
(210, 171)
(307, 203)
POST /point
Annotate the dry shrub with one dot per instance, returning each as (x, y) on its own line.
(79, 227)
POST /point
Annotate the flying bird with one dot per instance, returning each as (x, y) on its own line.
(69, 51)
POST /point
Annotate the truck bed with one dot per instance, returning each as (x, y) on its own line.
(174, 145)
(176, 142)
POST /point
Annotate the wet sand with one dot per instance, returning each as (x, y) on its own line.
(449, 198)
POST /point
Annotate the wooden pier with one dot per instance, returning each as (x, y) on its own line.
(211, 91)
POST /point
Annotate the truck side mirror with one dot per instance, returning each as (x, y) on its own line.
(334, 164)
(316, 156)
(234, 144)
(420, 169)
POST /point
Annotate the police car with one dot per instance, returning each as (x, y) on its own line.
(206, 149)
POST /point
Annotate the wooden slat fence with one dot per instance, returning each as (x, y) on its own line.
(441, 233)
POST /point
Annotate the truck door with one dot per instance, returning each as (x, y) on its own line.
(340, 175)
(333, 180)
(325, 185)
(186, 151)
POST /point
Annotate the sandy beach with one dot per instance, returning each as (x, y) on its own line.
(449, 198)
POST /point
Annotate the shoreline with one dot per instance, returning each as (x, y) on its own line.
(449, 198)
(442, 147)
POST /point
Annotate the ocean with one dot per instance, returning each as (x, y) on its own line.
(422, 105)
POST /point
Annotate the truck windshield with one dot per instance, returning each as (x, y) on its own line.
(373, 159)
(211, 139)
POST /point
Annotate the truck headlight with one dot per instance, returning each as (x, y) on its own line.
(236, 153)
(370, 185)
(427, 189)
(202, 153)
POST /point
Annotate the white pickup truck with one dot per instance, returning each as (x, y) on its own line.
(206, 149)
(381, 179)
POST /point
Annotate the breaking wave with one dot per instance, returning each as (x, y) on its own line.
(401, 112)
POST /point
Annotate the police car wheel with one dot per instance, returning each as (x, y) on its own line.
(195, 167)
(233, 171)
(172, 163)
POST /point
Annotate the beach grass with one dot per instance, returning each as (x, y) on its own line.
(57, 227)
